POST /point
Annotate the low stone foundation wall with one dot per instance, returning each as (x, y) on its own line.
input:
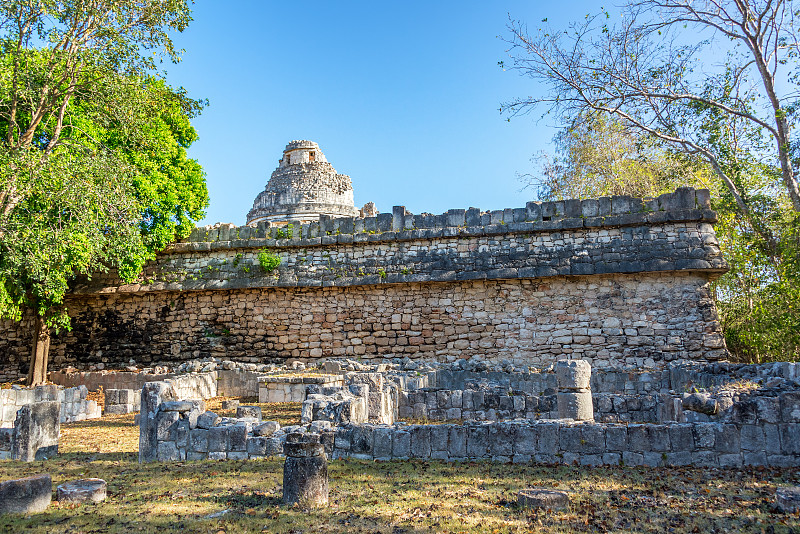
(122, 401)
(567, 442)
(755, 422)
(94, 380)
(292, 388)
(237, 383)
(178, 430)
(494, 405)
(202, 385)
(74, 404)
(677, 377)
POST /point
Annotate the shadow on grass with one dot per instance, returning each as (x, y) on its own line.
(405, 497)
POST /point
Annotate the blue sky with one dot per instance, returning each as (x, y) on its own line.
(401, 96)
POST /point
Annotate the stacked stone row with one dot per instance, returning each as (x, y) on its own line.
(74, 404)
(475, 404)
(122, 401)
(182, 439)
(292, 388)
(619, 210)
(574, 397)
(177, 430)
(700, 444)
(520, 250)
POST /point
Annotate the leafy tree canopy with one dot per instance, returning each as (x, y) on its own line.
(93, 166)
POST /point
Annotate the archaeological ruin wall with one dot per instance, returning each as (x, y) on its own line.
(619, 281)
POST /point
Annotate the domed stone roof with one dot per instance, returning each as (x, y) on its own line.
(303, 187)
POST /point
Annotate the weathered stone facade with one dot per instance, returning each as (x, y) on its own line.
(303, 187)
(615, 281)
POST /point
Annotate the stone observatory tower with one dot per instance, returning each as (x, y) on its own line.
(302, 188)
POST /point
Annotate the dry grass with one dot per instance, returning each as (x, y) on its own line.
(393, 497)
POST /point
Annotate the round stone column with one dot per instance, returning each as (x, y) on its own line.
(305, 472)
(574, 393)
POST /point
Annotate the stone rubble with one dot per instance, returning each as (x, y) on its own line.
(81, 491)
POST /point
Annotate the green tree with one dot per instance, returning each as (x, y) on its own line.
(93, 168)
(648, 72)
(758, 299)
(597, 155)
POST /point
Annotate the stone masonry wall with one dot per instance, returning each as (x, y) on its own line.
(701, 444)
(614, 320)
(618, 281)
(74, 405)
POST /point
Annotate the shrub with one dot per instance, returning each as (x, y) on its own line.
(268, 261)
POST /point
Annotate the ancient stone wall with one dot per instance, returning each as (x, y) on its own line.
(617, 281)
(73, 402)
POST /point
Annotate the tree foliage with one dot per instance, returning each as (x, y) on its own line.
(648, 72)
(597, 155)
(94, 172)
(650, 79)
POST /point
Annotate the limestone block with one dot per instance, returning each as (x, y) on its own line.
(501, 439)
(700, 402)
(112, 396)
(704, 435)
(787, 499)
(167, 451)
(593, 439)
(342, 438)
(525, 440)
(727, 439)
(440, 437)
(477, 441)
(207, 420)
(420, 441)
(754, 458)
(575, 405)
(401, 444)
(81, 491)
(543, 499)
(218, 439)
(361, 441)
(273, 446)
(36, 431)
(547, 439)
(249, 411)
(638, 438)
(769, 410)
(257, 445)
(752, 438)
(790, 407)
(573, 374)
(266, 429)
(27, 495)
(681, 437)
(6, 438)
(198, 440)
(382, 443)
(165, 424)
(790, 438)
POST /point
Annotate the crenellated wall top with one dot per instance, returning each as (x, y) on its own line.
(684, 205)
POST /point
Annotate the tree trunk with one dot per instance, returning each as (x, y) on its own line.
(37, 374)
